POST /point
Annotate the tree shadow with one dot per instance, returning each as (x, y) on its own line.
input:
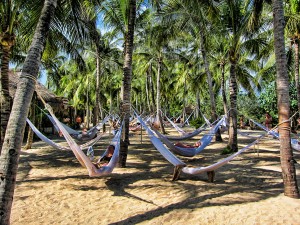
(242, 175)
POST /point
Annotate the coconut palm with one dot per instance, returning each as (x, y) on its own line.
(196, 17)
(220, 63)
(63, 35)
(293, 32)
(117, 13)
(127, 68)
(282, 80)
(12, 14)
(145, 65)
(240, 18)
(15, 129)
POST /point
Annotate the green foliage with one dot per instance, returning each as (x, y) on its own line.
(295, 6)
(249, 106)
(268, 100)
(197, 122)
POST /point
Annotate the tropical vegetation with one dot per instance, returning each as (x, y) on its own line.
(171, 57)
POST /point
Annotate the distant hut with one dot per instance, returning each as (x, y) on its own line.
(59, 104)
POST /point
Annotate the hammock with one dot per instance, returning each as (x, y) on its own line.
(190, 134)
(294, 142)
(44, 138)
(190, 152)
(90, 134)
(187, 135)
(198, 170)
(160, 147)
(57, 146)
(206, 120)
(69, 129)
(177, 162)
(179, 130)
(272, 132)
(187, 120)
(80, 155)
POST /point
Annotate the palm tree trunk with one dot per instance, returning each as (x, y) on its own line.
(296, 43)
(5, 99)
(158, 107)
(184, 103)
(147, 89)
(232, 141)
(15, 129)
(282, 80)
(198, 109)
(223, 88)
(30, 131)
(210, 88)
(111, 102)
(125, 114)
(29, 139)
(87, 125)
(97, 105)
(151, 87)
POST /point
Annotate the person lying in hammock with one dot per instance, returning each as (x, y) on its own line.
(196, 145)
(156, 125)
(135, 128)
(104, 160)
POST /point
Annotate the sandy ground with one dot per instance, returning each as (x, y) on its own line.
(52, 188)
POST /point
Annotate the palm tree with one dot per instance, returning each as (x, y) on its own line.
(127, 68)
(196, 18)
(15, 129)
(32, 118)
(9, 18)
(119, 15)
(293, 30)
(144, 65)
(240, 18)
(62, 36)
(219, 44)
(282, 80)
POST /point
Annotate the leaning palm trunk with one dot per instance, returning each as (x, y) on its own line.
(209, 82)
(125, 114)
(282, 80)
(5, 99)
(232, 141)
(15, 129)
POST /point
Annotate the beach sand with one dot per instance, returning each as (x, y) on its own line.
(53, 188)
